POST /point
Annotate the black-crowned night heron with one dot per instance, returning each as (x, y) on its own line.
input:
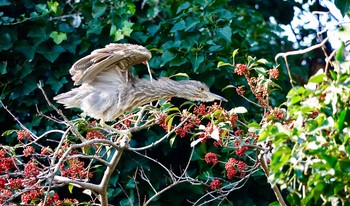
(108, 88)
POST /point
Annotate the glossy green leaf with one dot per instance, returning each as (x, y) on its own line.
(70, 188)
(221, 63)
(179, 26)
(7, 38)
(166, 57)
(344, 165)
(58, 37)
(3, 69)
(98, 9)
(5, 3)
(53, 6)
(343, 6)
(42, 8)
(183, 7)
(196, 61)
(225, 33)
(50, 53)
(318, 78)
(234, 53)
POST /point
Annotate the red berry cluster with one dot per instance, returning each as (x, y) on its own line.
(274, 73)
(200, 110)
(31, 170)
(234, 166)
(30, 195)
(190, 123)
(4, 195)
(211, 158)
(75, 169)
(215, 184)
(124, 122)
(241, 69)
(28, 151)
(259, 90)
(6, 163)
(94, 134)
(162, 122)
(275, 114)
(23, 135)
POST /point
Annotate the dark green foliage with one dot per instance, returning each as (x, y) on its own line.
(39, 41)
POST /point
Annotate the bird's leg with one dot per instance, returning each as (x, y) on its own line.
(149, 71)
(150, 75)
(121, 133)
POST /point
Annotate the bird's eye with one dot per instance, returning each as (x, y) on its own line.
(201, 89)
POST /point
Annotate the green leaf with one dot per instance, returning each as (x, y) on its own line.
(260, 70)
(127, 28)
(344, 165)
(4, 3)
(177, 62)
(341, 119)
(343, 6)
(26, 48)
(166, 57)
(95, 27)
(58, 37)
(153, 29)
(179, 26)
(191, 22)
(331, 160)
(42, 8)
(183, 6)
(38, 33)
(8, 132)
(98, 9)
(275, 203)
(130, 184)
(228, 87)
(234, 55)
(340, 53)
(131, 8)
(180, 75)
(29, 85)
(3, 66)
(172, 140)
(56, 84)
(225, 33)
(221, 63)
(52, 53)
(317, 78)
(196, 61)
(70, 188)
(170, 122)
(53, 6)
(7, 38)
(262, 61)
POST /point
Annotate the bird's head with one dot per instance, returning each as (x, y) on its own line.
(197, 91)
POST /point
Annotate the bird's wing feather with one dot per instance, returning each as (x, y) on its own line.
(123, 55)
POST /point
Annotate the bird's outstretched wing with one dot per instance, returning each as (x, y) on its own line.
(123, 55)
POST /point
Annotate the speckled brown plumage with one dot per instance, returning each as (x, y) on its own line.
(108, 89)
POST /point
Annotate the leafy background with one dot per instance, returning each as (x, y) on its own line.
(40, 40)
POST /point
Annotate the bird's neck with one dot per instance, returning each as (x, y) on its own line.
(161, 88)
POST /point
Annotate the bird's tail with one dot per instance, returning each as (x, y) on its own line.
(69, 99)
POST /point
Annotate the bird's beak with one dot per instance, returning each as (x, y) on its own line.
(212, 97)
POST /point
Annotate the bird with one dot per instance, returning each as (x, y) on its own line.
(107, 88)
